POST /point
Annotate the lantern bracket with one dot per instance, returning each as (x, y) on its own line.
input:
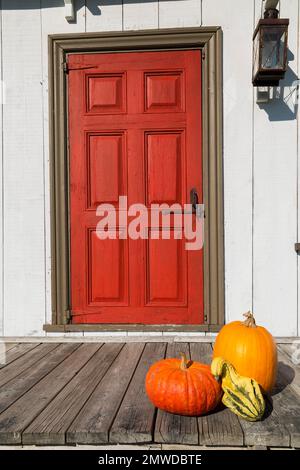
(69, 10)
(263, 94)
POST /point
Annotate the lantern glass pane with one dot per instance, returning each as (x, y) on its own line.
(256, 54)
(273, 42)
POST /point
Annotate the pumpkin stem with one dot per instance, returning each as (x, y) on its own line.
(184, 362)
(250, 320)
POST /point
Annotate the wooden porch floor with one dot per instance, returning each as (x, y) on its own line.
(92, 393)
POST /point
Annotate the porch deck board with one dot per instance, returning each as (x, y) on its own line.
(285, 400)
(93, 393)
(135, 419)
(51, 425)
(221, 427)
(170, 428)
(5, 348)
(14, 351)
(21, 413)
(269, 432)
(94, 421)
(22, 383)
(289, 366)
(26, 361)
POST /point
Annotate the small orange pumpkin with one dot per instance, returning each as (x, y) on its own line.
(251, 349)
(182, 387)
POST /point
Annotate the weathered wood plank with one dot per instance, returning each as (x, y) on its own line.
(10, 392)
(14, 353)
(13, 420)
(51, 424)
(135, 419)
(25, 362)
(287, 368)
(94, 420)
(268, 432)
(292, 350)
(8, 346)
(281, 424)
(286, 404)
(171, 428)
(288, 349)
(221, 427)
(201, 352)
(4, 348)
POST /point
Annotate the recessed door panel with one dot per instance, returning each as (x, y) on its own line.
(166, 272)
(165, 166)
(107, 265)
(106, 162)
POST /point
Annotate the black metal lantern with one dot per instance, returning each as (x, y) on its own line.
(270, 49)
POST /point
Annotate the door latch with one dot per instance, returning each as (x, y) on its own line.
(194, 200)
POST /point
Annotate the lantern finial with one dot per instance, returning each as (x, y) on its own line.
(271, 10)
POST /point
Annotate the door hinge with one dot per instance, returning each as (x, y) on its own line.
(66, 67)
(203, 55)
(68, 315)
(205, 317)
(297, 248)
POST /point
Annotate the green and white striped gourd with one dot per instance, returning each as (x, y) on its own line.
(242, 395)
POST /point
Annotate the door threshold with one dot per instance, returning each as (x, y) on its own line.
(88, 327)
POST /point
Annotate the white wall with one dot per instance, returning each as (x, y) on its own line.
(260, 156)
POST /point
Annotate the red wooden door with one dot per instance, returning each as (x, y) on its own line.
(134, 130)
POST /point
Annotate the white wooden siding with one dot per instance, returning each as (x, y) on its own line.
(275, 199)
(140, 15)
(23, 204)
(52, 21)
(298, 184)
(261, 157)
(238, 148)
(104, 16)
(1, 184)
(178, 14)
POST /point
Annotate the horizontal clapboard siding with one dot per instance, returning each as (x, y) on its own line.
(260, 157)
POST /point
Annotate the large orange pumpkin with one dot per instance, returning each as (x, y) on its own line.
(251, 349)
(182, 387)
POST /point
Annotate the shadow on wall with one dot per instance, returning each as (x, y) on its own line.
(283, 105)
(93, 5)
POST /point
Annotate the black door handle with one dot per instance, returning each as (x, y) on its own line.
(194, 199)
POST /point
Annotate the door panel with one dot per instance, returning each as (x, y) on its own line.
(164, 92)
(165, 167)
(166, 274)
(106, 93)
(107, 286)
(135, 131)
(106, 162)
